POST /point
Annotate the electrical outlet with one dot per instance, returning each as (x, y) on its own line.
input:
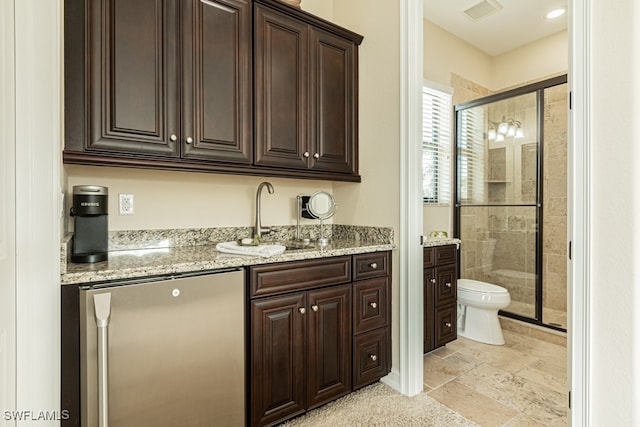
(126, 204)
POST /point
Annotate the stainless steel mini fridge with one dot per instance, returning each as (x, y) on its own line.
(167, 352)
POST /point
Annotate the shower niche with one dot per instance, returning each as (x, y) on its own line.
(510, 212)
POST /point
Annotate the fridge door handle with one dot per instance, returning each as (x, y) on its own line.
(102, 308)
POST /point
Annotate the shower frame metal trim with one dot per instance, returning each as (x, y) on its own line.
(538, 88)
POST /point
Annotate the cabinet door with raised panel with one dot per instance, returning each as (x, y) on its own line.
(280, 62)
(429, 309)
(333, 106)
(277, 358)
(133, 77)
(217, 80)
(329, 344)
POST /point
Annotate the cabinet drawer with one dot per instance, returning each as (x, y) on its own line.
(429, 259)
(446, 325)
(370, 357)
(446, 285)
(445, 254)
(370, 304)
(366, 266)
(273, 279)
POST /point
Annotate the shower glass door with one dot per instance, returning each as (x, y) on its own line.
(499, 197)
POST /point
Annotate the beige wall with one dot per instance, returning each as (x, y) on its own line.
(535, 61)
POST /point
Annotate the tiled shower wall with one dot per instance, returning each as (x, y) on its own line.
(554, 253)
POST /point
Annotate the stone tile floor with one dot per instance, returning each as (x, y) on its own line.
(522, 383)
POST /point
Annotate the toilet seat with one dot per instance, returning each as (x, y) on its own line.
(475, 286)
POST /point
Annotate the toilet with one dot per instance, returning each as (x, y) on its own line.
(478, 305)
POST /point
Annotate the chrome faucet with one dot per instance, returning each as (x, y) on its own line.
(258, 230)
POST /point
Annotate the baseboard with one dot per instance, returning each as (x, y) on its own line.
(392, 379)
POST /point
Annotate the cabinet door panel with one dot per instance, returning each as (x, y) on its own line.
(333, 105)
(133, 76)
(277, 358)
(280, 47)
(446, 285)
(329, 351)
(446, 327)
(217, 80)
(429, 309)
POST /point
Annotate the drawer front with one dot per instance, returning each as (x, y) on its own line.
(273, 279)
(446, 325)
(429, 258)
(446, 285)
(370, 304)
(366, 266)
(445, 254)
(370, 357)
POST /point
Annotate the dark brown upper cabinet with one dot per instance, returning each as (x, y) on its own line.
(159, 78)
(169, 84)
(305, 94)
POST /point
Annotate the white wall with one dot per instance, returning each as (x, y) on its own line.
(615, 213)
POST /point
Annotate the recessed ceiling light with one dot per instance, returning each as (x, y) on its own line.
(556, 13)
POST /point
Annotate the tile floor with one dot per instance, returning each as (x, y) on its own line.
(522, 383)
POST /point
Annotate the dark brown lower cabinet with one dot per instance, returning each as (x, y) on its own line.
(315, 336)
(440, 296)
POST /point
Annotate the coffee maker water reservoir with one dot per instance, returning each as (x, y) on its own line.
(91, 223)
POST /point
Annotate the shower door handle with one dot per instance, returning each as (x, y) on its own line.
(102, 308)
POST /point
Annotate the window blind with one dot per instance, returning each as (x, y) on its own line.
(471, 156)
(436, 146)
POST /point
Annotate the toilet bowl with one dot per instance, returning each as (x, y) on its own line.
(478, 305)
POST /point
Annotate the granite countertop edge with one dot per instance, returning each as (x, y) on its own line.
(126, 265)
(441, 242)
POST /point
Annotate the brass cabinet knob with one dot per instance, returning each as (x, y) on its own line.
(173, 137)
(448, 284)
(373, 265)
(432, 280)
(373, 357)
(373, 305)
(448, 324)
(306, 154)
(314, 307)
(189, 140)
(302, 310)
(316, 156)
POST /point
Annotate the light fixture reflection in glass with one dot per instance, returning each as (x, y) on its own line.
(519, 133)
(500, 137)
(491, 135)
(503, 128)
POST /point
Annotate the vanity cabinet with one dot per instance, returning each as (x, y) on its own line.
(318, 329)
(440, 295)
(158, 79)
(168, 84)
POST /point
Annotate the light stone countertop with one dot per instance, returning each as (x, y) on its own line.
(143, 262)
(441, 242)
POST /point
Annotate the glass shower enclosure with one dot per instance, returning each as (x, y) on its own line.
(511, 197)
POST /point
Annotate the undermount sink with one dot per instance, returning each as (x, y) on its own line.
(298, 244)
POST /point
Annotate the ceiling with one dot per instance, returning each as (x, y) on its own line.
(518, 22)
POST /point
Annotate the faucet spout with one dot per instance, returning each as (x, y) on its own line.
(259, 230)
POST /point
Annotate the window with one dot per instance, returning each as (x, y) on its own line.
(436, 144)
